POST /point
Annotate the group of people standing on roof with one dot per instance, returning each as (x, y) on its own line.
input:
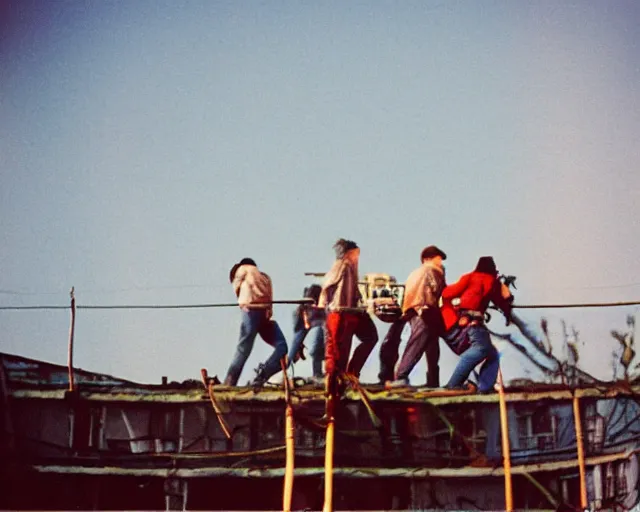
(334, 315)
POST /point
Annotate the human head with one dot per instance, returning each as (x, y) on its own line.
(312, 292)
(342, 247)
(432, 252)
(234, 269)
(486, 265)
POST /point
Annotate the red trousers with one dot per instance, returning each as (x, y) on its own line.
(340, 328)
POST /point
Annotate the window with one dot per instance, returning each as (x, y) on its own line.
(536, 429)
(609, 481)
(621, 480)
(595, 433)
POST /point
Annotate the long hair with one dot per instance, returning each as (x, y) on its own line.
(486, 265)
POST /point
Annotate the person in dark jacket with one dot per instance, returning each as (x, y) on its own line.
(308, 323)
(463, 313)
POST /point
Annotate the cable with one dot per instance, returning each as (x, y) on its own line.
(32, 307)
(4, 291)
(583, 305)
(303, 301)
(156, 306)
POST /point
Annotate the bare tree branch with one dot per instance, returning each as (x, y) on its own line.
(551, 366)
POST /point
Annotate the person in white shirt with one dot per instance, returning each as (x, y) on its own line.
(255, 295)
(420, 310)
(341, 297)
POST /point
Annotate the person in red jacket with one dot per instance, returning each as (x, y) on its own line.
(463, 312)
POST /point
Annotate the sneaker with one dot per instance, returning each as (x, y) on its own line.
(398, 383)
(316, 381)
(276, 380)
(260, 379)
(467, 386)
(471, 387)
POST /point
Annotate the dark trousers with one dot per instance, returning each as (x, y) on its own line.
(424, 339)
(340, 328)
(389, 350)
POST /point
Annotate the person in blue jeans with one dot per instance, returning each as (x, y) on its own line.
(480, 349)
(255, 297)
(308, 323)
(463, 314)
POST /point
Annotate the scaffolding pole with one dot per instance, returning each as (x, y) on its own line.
(71, 332)
(328, 457)
(289, 442)
(580, 447)
(506, 453)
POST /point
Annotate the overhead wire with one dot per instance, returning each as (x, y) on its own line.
(152, 306)
(578, 305)
(298, 301)
(5, 291)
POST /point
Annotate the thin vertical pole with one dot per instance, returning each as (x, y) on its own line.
(102, 443)
(328, 457)
(288, 472)
(71, 331)
(289, 443)
(506, 452)
(578, 422)
(181, 431)
(185, 493)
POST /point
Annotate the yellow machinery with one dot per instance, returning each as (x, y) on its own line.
(381, 295)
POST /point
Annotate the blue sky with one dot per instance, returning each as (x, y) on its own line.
(147, 146)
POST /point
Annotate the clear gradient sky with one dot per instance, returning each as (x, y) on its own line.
(146, 146)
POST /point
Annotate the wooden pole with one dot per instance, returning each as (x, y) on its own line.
(208, 385)
(289, 443)
(328, 468)
(506, 453)
(288, 471)
(71, 331)
(578, 422)
(328, 457)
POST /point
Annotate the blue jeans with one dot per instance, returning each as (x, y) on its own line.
(316, 349)
(481, 349)
(253, 322)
